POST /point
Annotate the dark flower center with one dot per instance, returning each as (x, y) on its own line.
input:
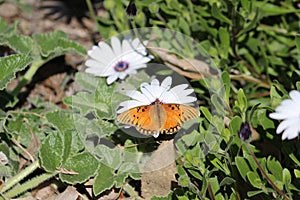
(121, 66)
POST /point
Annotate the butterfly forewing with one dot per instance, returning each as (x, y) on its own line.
(158, 117)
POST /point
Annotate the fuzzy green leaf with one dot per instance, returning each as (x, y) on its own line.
(111, 157)
(19, 43)
(51, 152)
(10, 65)
(55, 43)
(100, 98)
(85, 164)
(103, 180)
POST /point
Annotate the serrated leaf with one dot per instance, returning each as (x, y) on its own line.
(55, 43)
(85, 164)
(100, 98)
(88, 81)
(21, 126)
(63, 121)
(111, 157)
(107, 127)
(51, 152)
(10, 65)
(19, 43)
(72, 144)
(86, 103)
(104, 179)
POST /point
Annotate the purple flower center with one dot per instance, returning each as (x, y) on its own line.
(121, 66)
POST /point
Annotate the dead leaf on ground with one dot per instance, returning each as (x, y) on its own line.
(158, 175)
(189, 67)
(69, 194)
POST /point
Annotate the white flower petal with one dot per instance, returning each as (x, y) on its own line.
(129, 104)
(295, 96)
(116, 46)
(112, 78)
(289, 112)
(104, 58)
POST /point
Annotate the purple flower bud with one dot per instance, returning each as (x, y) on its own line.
(245, 131)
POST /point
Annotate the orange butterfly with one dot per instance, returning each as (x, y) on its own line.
(158, 118)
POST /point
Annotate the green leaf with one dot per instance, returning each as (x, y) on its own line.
(72, 144)
(55, 43)
(242, 100)
(104, 179)
(254, 193)
(10, 65)
(216, 12)
(7, 31)
(226, 81)
(85, 164)
(206, 113)
(242, 166)
(100, 97)
(268, 9)
(275, 168)
(227, 181)
(235, 125)
(287, 179)
(254, 179)
(225, 41)
(111, 157)
(297, 173)
(19, 43)
(51, 152)
(86, 102)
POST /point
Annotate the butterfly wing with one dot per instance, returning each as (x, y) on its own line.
(158, 118)
(176, 115)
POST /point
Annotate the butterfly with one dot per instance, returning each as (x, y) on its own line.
(158, 118)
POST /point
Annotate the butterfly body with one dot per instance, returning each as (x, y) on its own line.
(158, 118)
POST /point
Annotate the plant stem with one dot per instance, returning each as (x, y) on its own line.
(29, 185)
(16, 179)
(92, 13)
(36, 64)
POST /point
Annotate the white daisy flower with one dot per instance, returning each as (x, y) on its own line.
(289, 112)
(156, 91)
(118, 60)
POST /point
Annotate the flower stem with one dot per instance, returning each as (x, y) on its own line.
(16, 179)
(266, 175)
